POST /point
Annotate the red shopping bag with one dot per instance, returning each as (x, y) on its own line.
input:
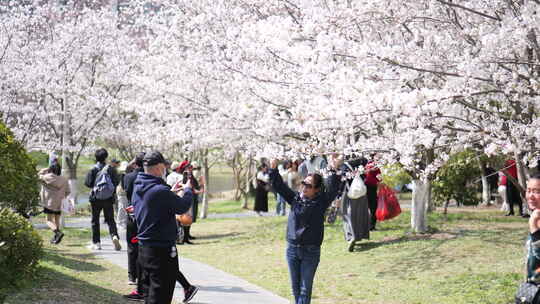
(387, 204)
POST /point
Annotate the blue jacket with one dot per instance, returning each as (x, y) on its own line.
(533, 256)
(155, 209)
(305, 225)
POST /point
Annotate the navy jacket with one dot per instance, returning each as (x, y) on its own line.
(155, 209)
(305, 225)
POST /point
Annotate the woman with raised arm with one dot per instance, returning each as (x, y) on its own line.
(305, 226)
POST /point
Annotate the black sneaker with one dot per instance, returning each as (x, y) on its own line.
(190, 293)
(59, 237)
(134, 296)
(351, 245)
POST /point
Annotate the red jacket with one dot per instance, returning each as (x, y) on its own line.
(512, 169)
(372, 171)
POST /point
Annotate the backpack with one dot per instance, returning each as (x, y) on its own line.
(103, 186)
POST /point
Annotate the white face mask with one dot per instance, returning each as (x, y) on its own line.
(164, 174)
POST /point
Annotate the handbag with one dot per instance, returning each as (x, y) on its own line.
(357, 189)
(387, 204)
(527, 294)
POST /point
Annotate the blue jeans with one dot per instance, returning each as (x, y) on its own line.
(281, 205)
(303, 262)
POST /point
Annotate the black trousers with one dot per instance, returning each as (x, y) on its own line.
(372, 204)
(107, 207)
(160, 265)
(513, 197)
(132, 249)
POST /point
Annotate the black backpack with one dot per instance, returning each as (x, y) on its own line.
(103, 186)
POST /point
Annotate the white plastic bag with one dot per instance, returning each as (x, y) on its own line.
(357, 188)
(68, 206)
(502, 192)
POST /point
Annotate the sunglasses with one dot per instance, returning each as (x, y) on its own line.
(309, 186)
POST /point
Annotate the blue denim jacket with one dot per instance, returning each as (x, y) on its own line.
(305, 225)
(533, 256)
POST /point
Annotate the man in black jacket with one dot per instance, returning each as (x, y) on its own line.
(155, 209)
(134, 273)
(105, 204)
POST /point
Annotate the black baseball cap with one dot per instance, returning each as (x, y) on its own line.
(153, 158)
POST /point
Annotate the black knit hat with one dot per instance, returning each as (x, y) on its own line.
(153, 158)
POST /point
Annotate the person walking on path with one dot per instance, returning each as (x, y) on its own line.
(372, 181)
(102, 179)
(197, 189)
(155, 209)
(54, 189)
(305, 226)
(355, 211)
(135, 275)
(122, 201)
(261, 191)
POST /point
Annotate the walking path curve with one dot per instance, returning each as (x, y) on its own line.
(216, 286)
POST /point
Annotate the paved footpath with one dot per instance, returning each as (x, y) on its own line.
(216, 286)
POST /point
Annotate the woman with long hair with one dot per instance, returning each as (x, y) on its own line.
(54, 189)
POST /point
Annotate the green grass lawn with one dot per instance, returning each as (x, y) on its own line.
(473, 256)
(70, 273)
(231, 206)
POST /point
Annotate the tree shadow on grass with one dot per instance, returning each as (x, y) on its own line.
(497, 235)
(71, 261)
(431, 253)
(218, 236)
(424, 257)
(365, 246)
(52, 286)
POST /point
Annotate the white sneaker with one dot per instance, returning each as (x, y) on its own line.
(95, 246)
(116, 243)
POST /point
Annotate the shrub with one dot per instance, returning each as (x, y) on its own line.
(40, 159)
(455, 180)
(19, 188)
(21, 248)
(395, 177)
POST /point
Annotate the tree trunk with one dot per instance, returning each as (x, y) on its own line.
(420, 201)
(485, 185)
(428, 159)
(206, 174)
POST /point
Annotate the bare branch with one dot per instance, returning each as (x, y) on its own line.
(469, 10)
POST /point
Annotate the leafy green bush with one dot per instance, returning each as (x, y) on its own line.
(40, 159)
(21, 248)
(395, 176)
(455, 180)
(19, 188)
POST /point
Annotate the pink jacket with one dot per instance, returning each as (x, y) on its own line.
(54, 189)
